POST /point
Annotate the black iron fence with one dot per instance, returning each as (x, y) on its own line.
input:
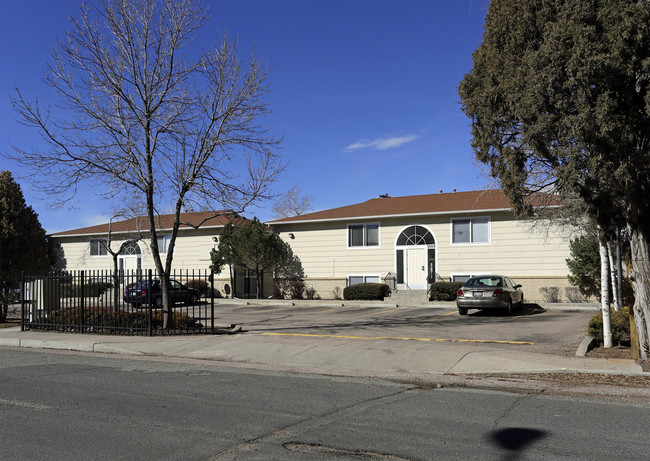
(119, 303)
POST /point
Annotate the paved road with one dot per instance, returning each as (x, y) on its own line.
(533, 330)
(71, 406)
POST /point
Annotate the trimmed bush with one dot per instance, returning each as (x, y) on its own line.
(96, 288)
(620, 327)
(444, 291)
(366, 291)
(199, 284)
(288, 288)
(550, 294)
(90, 289)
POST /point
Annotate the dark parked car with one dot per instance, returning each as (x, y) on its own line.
(489, 292)
(137, 294)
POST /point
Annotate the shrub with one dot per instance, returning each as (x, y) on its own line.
(96, 288)
(90, 289)
(289, 288)
(550, 294)
(574, 295)
(444, 291)
(620, 326)
(366, 291)
(199, 284)
(99, 317)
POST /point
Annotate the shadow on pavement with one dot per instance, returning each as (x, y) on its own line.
(529, 309)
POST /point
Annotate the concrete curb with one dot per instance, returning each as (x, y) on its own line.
(585, 346)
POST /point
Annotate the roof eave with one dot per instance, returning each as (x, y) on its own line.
(133, 232)
(400, 215)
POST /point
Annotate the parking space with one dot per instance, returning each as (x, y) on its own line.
(533, 329)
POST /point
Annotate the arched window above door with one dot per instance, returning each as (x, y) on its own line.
(415, 235)
(131, 249)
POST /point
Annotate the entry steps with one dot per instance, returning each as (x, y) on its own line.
(405, 297)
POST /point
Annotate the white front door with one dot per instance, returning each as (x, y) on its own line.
(416, 270)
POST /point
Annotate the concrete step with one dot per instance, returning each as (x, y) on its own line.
(409, 295)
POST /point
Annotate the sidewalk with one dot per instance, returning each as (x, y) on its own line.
(336, 356)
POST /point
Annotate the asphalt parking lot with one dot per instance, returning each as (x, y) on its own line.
(534, 329)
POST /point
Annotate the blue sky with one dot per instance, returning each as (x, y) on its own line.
(363, 91)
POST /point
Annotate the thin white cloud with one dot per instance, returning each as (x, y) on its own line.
(94, 219)
(382, 143)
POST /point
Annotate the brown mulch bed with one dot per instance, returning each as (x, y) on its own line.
(10, 323)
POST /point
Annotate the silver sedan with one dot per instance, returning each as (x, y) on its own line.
(489, 292)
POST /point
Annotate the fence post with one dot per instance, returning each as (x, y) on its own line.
(22, 301)
(149, 309)
(212, 299)
(82, 302)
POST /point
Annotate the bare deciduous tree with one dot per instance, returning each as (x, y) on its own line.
(292, 203)
(140, 116)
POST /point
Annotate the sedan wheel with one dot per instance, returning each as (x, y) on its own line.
(462, 311)
(510, 309)
(158, 304)
(193, 300)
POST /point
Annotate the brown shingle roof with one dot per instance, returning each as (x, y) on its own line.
(163, 222)
(411, 205)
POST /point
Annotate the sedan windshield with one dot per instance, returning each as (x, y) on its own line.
(484, 282)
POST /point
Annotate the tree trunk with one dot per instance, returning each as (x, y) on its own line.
(116, 284)
(614, 276)
(640, 277)
(619, 270)
(604, 296)
(232, 281)
(167, 304)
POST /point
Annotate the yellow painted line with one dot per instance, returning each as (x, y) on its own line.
(442, 315)
(493, 341)
(383, 312)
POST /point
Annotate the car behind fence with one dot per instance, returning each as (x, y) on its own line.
(118, 303)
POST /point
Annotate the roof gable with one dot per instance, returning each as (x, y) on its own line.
(206, 219)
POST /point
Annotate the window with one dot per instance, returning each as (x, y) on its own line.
(98, 247)
(355, 279)
(363, 235)
(415, 235)
(460, 278)
(131, 249)
(465, 277)
(163, 243)
(474, 230)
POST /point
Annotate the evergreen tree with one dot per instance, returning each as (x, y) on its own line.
(584, 264)
(253, 247)
(23, 244)
(559, 98)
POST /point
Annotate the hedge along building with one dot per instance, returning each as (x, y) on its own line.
(420, 239)
(86, 248)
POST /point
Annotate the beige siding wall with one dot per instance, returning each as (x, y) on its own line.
(192, 251)
(535, 254)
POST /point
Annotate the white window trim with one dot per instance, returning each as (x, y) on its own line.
(90, 246)
(364, 246)
(347, 278)
(451, 231)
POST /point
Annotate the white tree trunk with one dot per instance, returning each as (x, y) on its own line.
(614, 276)
(604, 297)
